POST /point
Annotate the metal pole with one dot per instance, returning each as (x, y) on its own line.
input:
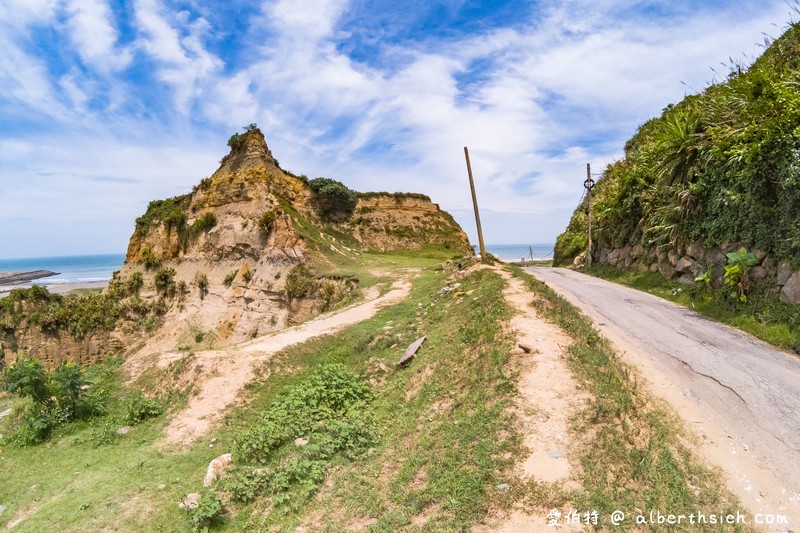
(589, 185)
(475, 205)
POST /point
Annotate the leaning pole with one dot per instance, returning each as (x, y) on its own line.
(475, 205)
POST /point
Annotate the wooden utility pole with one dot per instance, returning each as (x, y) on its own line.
(475, 205)
(589, 183)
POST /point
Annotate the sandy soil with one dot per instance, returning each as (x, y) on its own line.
(549, 396)
(222, 374)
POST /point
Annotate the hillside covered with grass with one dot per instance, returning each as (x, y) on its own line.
(722, 165)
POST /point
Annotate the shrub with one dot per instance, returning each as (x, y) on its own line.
(149, 258)
(737, 272)
(204, 222)
(267, 222)
(27, 378)
(209, 511)
(247, 275)
(236, 141)
(334, 200)
(139, 407)
(135, 283)
(202, 284)
(55, 397)
(299, 281)
(229, 277)
(170, 212)
(204, 185)
(165, 282)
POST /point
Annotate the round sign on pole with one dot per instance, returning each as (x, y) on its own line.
(588, 184)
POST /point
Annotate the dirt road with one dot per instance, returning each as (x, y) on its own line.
(222, 374)
(738, 394)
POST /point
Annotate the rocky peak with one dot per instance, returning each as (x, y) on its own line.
(248, 146)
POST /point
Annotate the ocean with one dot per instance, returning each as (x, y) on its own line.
(71, 269)
(515, 252)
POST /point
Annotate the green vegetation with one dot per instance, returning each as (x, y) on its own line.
(327, 414)
(247, 275)
(149, 258)
(334, 200)
(165, 282)
(633, 452)
(78, 316)
(229, 277)
(204, 222)
(737, 272)
(237, 141)
(57, 398)
(201, 280)
(266, 223)
(299, 281)
(762, 315)
(139, 408)
(204, 185)
(170, 212)
(397, 196)
(723, 164)
(135, 283)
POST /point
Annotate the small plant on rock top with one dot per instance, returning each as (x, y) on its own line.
(229, 277)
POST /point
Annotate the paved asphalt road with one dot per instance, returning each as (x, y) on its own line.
(721, 376)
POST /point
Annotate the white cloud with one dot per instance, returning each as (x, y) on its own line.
(184, 62)
(92, 31)
(19, 14)
(305, 20)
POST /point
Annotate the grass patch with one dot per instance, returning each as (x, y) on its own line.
(634, 456)
(762, 316)
(438, 438)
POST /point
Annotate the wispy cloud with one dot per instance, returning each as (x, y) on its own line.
(93, 32)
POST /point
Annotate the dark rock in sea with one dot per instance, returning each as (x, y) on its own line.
(10, 278)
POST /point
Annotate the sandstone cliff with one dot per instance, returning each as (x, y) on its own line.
(239, 257)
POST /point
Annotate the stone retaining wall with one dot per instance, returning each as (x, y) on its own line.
(687, 263)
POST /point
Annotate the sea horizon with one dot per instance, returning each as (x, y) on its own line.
(88, 268)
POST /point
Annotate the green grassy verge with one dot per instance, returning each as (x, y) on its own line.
(762, 316)
(634, 454)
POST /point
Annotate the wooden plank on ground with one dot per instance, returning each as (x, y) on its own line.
(411, 351)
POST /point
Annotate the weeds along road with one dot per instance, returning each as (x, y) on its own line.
(741, 396)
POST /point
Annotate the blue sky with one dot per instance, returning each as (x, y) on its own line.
(108, 104)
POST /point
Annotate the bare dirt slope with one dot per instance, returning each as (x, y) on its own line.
(740, 395)
(222, 374)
